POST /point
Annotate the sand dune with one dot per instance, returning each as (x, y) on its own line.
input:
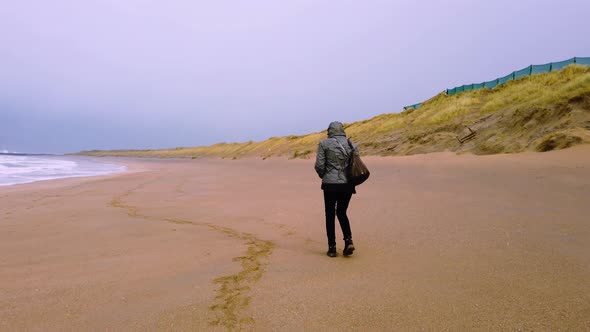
(444, 242)
(542, 112)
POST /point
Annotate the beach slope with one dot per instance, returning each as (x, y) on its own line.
(444, 242)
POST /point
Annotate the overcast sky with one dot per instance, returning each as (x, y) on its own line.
(107, 74)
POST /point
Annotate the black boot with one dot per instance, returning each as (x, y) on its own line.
(332, 251)
(348, 247)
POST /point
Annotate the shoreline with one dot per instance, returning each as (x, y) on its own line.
(122, 168)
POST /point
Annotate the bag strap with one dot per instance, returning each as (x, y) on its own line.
(343, 149)
(350, 144)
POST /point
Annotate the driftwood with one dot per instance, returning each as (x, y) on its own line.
(467, 137)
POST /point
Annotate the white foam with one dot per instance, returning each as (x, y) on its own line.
(24, 169)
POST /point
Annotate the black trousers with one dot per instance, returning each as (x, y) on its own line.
(336, 204)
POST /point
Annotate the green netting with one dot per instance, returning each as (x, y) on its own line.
(530, 70)
(523, 72)
(561, 64)
(538, 69)
(412, 107)
(490, 84)
(503, 80)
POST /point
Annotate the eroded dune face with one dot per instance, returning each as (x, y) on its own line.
(443, 242)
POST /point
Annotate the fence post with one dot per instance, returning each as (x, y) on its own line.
(531, 70)
(574, 60)
(550, 66)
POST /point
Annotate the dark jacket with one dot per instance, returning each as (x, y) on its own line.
(332, 156)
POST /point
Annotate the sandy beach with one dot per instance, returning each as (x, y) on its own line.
(444, 242)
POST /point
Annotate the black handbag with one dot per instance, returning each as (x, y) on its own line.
(357, 170)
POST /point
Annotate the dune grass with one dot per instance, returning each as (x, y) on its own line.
(537, 113)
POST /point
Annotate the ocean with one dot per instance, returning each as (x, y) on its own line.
(23, 168)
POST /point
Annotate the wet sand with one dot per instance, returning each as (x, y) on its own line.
(444, 242)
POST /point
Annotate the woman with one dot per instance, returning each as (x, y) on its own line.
(331, 164)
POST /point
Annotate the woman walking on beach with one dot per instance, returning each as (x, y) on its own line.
(331, 164)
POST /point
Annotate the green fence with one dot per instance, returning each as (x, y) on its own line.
(530, 70)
